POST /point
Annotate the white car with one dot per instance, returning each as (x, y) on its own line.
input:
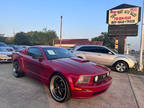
(6, 54)
(105, 56)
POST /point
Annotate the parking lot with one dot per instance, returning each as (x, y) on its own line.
(126, 92)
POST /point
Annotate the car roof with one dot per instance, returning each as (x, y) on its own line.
(89, 45)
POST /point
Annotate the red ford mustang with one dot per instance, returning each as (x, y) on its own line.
(65, 75)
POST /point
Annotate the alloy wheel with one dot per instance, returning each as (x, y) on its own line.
(58, 88)
(120, 67)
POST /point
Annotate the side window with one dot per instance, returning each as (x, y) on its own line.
(88, 49)
(82, 49)
(35, 52)
(103, 50)
(30, 52)
(95, 49)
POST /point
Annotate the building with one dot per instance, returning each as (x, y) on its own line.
(68, 43)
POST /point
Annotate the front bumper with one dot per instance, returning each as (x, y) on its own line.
(132, 63)
(8, 59)
(135, 65)
(93, 90)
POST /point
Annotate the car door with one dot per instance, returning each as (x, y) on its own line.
(34, 66)
(106, 56)
(92, 54)
(89, 53)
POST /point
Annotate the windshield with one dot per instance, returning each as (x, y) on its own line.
(3, 50)
(115, 51)
(57, 53)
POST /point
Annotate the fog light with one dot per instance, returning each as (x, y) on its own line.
(96, 78)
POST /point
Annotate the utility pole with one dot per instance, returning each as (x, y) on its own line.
(60, 30)
(141, 43)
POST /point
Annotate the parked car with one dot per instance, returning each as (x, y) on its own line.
(65, 74)
(17, 47)
(6, 54)
(70, 49)
(105, 56)
(2, 44)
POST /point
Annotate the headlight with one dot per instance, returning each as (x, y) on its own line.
(84, 79)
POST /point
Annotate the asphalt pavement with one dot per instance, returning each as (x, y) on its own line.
(126, 91)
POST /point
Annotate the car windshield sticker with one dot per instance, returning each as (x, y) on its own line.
(51, 52)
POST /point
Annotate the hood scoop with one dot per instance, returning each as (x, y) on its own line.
(80, 60)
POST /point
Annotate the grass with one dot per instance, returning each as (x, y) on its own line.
(135, 71)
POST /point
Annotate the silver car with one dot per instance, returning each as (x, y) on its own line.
(105, 56)
(6, 54)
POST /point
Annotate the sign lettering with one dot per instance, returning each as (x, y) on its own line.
(123, 16)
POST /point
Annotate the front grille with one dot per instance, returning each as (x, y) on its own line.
(100, 78)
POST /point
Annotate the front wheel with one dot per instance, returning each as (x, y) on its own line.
(16, 70)
(59, 88)
(121, 66)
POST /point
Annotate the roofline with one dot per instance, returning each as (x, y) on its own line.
(121, 6)
(43, 46)
(89, 45)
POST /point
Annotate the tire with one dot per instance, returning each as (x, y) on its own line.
(59, 88)
(121, 66)
(16, 70)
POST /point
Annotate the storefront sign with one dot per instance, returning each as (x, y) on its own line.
(123, 20)
(123, 16)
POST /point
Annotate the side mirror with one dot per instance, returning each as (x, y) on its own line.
(110, 53)
(40, 58)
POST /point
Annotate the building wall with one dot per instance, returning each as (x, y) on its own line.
(65, 45)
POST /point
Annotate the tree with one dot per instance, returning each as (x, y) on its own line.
(9, 40)
(107, 40)
(45, 37)
(21, 39)
(2, 39)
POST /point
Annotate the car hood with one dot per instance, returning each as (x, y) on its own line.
(6, 53)
(80, 66)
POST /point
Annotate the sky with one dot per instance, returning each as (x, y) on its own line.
(81, 18)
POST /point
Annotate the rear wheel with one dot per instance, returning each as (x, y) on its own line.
(121, 66)
(16, 70)
(59, 88)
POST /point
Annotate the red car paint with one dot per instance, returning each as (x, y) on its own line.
(70, 68)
